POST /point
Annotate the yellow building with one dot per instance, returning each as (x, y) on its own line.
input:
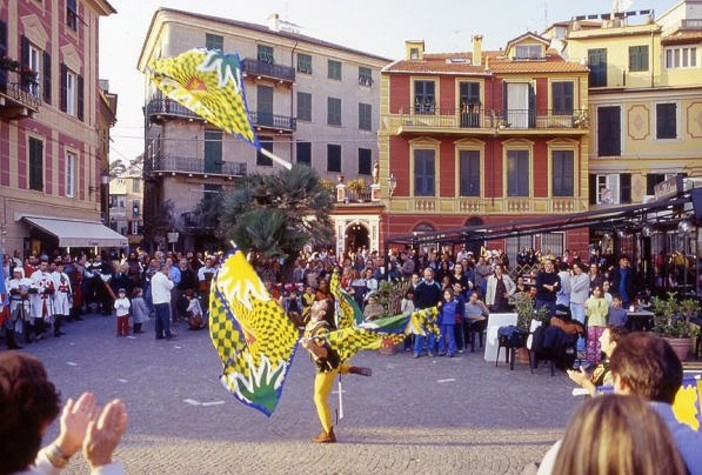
(645, 99)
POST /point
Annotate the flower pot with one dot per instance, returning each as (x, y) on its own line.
(522, 355)
(388, 347)
(681, 346)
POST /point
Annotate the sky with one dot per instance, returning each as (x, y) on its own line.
(372, 26)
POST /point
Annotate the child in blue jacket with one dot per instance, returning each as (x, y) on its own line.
(447, 324)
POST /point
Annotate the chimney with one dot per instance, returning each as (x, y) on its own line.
(274, 22)
(414, 50)
(477, 50)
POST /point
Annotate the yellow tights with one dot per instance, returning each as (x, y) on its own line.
(323, 383)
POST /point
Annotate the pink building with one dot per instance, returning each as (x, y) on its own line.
(53, 126)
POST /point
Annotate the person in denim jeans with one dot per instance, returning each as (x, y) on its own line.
(427, 295)
(161, 286)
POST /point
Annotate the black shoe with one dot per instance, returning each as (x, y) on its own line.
(172, 336)
(159, 337)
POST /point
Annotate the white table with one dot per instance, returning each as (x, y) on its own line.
(495, 321)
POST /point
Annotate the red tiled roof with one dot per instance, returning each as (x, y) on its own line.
(496, 63)
(682, 38)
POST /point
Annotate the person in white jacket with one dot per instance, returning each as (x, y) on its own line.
(161, 286)
(579, 293)
(122, 306)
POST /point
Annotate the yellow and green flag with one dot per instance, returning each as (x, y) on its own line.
(209, 83)
(254, 337)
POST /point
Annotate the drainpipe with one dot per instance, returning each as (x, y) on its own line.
(653, 63)
(292, 97)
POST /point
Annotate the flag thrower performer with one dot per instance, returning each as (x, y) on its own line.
(256, 340)
(209, 83)
(328, 364)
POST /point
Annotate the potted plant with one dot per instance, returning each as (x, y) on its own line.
(526, 312)
(358, 186)
(389, 296)
(671, 320)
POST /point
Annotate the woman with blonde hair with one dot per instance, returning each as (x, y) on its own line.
(618, 435)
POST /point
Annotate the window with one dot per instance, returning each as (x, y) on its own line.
(414, 54)
(365, 161)
(610, 189)
(666, 121)
(136, 206)
(72, 14)
(365, 76)
(652, 179)
(562, 97)
(304, 153)
(638, 58)
(518, 173)
(70, 175)
(304, 63)
(424, 97)
(528, 52)
(71, 93)
(470, 104)
(304, 106)
(213, 151)
(214, 42)
(469, 168)
(597, 60)
(681, 57)
(333, 111)
(334, 70)
(365, 116)
(34, 63)
(261, 159)
(563, 173)
(334, 158)
(609, 131)
(265, 54)
(36, 164)
(424, 173)
(136, 185)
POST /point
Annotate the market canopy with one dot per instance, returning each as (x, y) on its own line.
(77, 233)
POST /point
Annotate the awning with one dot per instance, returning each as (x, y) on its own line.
(78, 233)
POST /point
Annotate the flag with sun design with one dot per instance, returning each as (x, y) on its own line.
(208, 83)
(254, 337)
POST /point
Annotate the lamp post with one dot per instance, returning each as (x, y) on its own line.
(392, 185)
(105, 196)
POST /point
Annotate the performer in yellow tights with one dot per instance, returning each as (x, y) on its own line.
(328, 366)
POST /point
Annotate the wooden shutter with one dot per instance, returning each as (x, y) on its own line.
(3, 37)
(625, 188)
(80, 97)
(64, 87)
(592, 185)
(47, 78)
(25, 51)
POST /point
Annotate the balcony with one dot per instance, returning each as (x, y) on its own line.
(19, 98)
(159, 108)
(492, 122)
(178, 165)
(261, 69)
(279, 123)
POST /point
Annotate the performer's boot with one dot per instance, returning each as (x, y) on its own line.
(325, 438)
(360, 370)
(57, 326)
(11, 341)
(137, 328)
(28, 328)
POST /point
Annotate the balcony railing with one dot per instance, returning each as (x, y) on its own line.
(191, 165)
(691, 24)
(273, 121)
(161, 106)
(427, 117)
(17, 94)
(254, 67)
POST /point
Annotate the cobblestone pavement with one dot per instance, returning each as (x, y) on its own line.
(428, 416)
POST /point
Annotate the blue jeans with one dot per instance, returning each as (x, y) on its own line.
(419, 343)
(577, 310)
(163, 319)
(447, 333)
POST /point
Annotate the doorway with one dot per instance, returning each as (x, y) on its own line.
(357, 236)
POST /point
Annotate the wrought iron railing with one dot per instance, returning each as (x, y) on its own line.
(180, 164)
(273, 121)
(495, 119)
(255, 67)
(23, 91)
(170, 107)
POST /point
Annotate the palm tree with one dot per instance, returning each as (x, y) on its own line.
(276, 215)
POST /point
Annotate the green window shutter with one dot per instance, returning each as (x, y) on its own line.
(47, 78)
(81, 102)
(64, 87)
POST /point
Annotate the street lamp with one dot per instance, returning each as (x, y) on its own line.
(392, 185)
(105, 195)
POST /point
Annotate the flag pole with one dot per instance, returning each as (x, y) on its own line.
(276, 158)
(340, 411)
